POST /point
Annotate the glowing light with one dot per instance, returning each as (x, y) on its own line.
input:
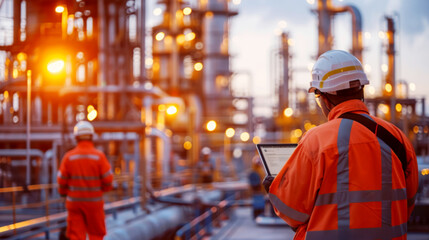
(15, 73)
(367, 35)
(384, 68)
(371, 90)
(55, 66)
(198, 66)
(157, 11)
(148, 62)
(245, 136)
(310, 2)
(190, 36)
(307, 126)
(161, 108)
(290, 42)
(388, 87)
(297, 133)
(384, 108)
(412, 87)
(211, 125)
(288, 112)
(382, 35)
(159, 36)
(230, 132)
(256, 140)
(425, 171)
(171, 110)
(282, 24)
(59, 9)
(416, 129)
(187, 145)
(187, 10)
(21, 56)
(180, 39)
(209, 14)
(92, 115)
(398, 107)
(90, 108)
(6, 95)
(367, 68)
(236, 2)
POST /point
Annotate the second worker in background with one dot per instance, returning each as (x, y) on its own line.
(83, 176)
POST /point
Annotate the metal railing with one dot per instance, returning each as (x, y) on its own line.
(44, 225)
(202, 225)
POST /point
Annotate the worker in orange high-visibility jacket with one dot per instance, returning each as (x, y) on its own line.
(343, 181)
(83, 176)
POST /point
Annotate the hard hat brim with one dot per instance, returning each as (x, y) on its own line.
(311, 89)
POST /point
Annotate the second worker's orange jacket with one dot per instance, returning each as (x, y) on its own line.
(84, 174)
(342, 182)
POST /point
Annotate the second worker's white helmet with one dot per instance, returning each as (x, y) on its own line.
(83, 128)
(337, 70)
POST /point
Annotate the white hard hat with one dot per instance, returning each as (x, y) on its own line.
(83, 128)
(337, 70)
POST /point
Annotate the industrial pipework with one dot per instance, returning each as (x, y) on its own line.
(326, 11)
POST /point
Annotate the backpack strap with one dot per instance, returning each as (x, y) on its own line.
(382, 133)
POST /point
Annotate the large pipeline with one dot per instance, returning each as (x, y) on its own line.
(162, 224)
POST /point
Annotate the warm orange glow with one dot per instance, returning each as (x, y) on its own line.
(187, 145)
(187, 10)
(211, 125)
(190, 36)
(161, 108)
(159, 36)
(256, 140)
(171, 110)
(180, 39)
(230, 132)
(59, 9)
(92, 115)
(398, 107)
(297, 133)
(21, 56)
(388, 87)
(416, 129)
(198, 66)
(288, 112)
(245, 136)
(55, 66)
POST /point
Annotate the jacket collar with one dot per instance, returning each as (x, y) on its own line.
(85, 144)
(354, 105)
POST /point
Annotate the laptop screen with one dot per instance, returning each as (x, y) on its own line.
(274, 156)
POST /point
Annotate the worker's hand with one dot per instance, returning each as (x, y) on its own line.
(267, 183)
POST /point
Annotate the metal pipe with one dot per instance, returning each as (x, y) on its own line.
(357, 45)
(28, 170)
(141, 27)
(166, 150)
(101, 58)
(325, 34)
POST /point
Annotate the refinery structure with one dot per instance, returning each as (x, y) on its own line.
(155, 96)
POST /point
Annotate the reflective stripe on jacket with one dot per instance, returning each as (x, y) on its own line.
(84, 174)
(342, 182)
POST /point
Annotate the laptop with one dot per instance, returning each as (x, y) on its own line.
(275, 155)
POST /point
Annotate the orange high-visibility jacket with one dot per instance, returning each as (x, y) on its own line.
(342, 182)
(84, 174)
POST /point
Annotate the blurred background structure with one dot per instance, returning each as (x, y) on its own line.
(157, 96)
